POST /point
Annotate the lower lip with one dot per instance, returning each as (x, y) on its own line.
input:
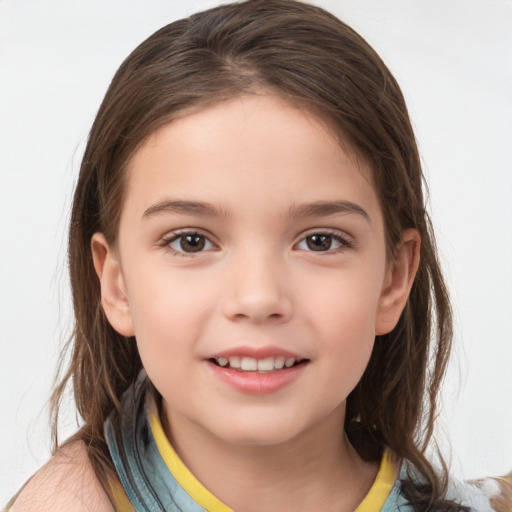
(255, 383)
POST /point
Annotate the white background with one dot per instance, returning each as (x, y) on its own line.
(453, 60)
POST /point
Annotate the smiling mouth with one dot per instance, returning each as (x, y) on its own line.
(251, 364)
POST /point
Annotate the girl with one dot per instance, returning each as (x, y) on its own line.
(261, 322)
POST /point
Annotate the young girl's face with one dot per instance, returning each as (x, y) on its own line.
(249, 239)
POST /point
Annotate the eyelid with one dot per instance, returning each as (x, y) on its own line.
(172, 236)
(346, 241)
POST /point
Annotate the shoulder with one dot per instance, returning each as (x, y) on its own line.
(66, 482)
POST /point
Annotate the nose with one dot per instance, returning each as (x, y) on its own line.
(257, 289)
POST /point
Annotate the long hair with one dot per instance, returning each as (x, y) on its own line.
(313, 60)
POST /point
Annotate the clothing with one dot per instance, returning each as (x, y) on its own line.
(154, 478)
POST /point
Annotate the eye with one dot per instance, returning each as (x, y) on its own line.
(188, 242)
(323, 242)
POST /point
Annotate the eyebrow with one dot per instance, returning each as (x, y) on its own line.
(203, 209)
(196, 208)
(325, 208)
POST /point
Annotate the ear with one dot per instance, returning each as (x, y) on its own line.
(398, 282)
(114, 298)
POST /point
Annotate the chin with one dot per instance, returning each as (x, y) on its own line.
(265, 432)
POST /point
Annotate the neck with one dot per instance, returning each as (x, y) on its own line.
(317, 470)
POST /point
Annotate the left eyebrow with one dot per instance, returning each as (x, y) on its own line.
(195, 208)
(324, 208)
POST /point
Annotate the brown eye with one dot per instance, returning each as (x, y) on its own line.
(188, 243)
(319, 242)
(192, 243)
(323, 242)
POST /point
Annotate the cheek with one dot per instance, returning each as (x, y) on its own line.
(350, 333)
(343, 318)
(169, 313)
(346, 302)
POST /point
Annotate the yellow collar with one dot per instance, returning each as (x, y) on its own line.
(373, 501)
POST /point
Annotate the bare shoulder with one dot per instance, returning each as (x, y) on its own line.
(66, 482)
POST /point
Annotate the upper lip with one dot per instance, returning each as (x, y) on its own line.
(256, 352)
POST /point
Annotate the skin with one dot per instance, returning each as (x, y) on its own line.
(257, 283)
(66, 482)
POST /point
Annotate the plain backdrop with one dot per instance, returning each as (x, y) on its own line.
(453, 60)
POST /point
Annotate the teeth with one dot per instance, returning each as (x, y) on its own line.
(279, 362)
(234, 362)
(248, 363)
(266, 365)
(251, 364)
(289, 361)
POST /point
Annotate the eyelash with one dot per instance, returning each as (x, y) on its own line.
(176, 235)
(344, 242)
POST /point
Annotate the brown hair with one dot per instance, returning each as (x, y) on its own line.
(310, 58)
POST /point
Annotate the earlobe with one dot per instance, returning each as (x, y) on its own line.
(399, 280)
(114, 298)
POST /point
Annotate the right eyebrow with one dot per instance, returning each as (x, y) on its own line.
(326, 208)
(196, 208)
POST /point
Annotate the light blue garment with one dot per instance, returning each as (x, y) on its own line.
(151, 487)
(148, 483)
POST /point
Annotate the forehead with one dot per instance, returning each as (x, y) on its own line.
(251, 147)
